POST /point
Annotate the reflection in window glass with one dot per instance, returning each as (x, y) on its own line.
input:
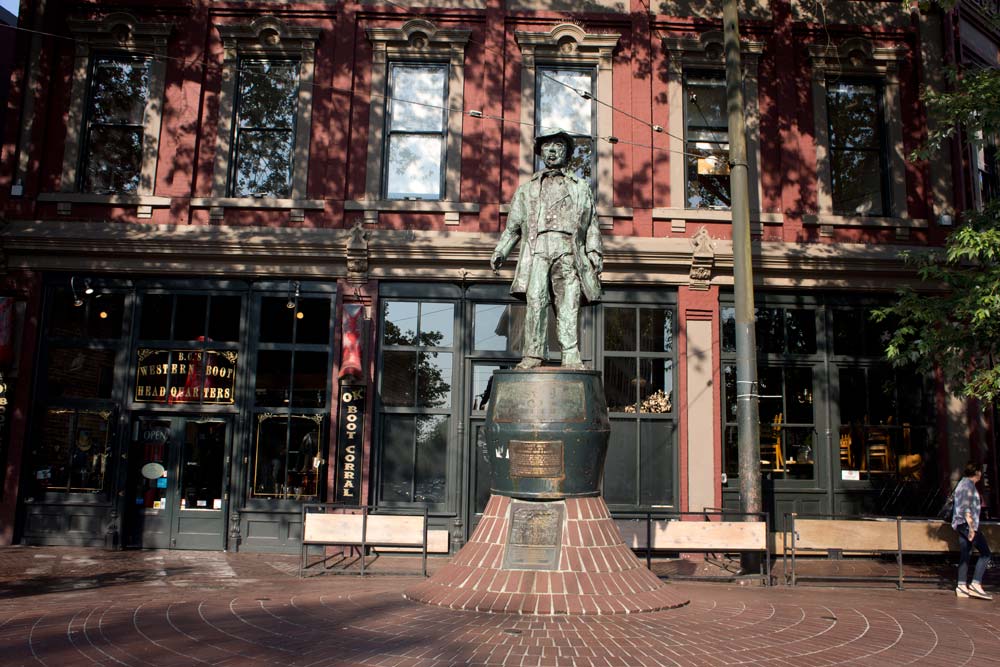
(728, 329)
(707, 135)
(417, 130)
(656, 330)
(500, 327)
(482, 383)
(80, 373)
(656, 381)
(400, 323)
(415, 458)
(561, 106)
(287, 459)
(857, 155)
(399, 378)
(619, 329)
(112, 144)
(434, 380)
(72, 452)
(265, 128)
(620, 382)
(437, 324)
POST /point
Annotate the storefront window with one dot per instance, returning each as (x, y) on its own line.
(415, 383)
(826, 362)
(291, 396)
(188, 353)
(788, 349)
(71, 441)
(287, 456)
(885, 414)
(639, 385)
(72, 451)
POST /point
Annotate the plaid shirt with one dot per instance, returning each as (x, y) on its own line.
(966, 500)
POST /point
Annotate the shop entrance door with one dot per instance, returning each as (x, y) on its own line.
(178, 475)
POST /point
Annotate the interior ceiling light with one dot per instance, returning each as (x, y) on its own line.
(77, 301)
(87, 288)
(292, 299)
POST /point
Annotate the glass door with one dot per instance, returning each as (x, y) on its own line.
(177, 478)
(479, 470)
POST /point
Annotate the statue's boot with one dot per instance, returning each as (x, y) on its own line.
(571, 360)
(529, 362)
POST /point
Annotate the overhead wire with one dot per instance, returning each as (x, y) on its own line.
(472, 113)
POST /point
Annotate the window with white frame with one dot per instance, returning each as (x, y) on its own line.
(415, 140)
(566, 82)
(417, 131)
(264, 141)
(566, 100)
(707, 140)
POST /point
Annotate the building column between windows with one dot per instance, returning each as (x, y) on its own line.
(700, 441)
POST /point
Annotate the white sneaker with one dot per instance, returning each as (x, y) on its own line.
(976, 591)
(962, 591)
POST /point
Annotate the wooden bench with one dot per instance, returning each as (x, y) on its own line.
(696, 532)
(869, 534)
(333, 525)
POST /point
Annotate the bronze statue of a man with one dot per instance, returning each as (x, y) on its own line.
(561, 255)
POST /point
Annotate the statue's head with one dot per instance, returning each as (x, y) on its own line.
(554, 148)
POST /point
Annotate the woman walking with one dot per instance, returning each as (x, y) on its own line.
(965, 520)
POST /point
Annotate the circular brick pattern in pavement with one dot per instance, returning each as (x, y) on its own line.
(260, 615)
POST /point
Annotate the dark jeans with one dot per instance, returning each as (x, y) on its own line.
(979, 541)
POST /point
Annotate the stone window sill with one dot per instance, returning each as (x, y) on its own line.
(143, 203)
(372, 208)
(217, 205)
(714, 215)
(827, 223)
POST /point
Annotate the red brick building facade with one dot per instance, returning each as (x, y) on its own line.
(197, 194)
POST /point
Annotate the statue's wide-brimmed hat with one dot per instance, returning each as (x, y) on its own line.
(555, 135)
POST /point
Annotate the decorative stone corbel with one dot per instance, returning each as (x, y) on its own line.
(357, 255)
(702, 260)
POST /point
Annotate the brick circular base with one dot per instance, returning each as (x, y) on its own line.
(597, 573)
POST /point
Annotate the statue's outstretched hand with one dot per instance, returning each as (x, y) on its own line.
(496, 261)
(596, 261)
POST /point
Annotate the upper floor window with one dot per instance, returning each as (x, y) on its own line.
(707, 140)
(265, 110)
(566, 82)
(265, 128)
(414, 140)
(858, 119)
(417, 127)
(116, 109)
(565, 100)
(858, 169)
(697, 126)
(116, 96)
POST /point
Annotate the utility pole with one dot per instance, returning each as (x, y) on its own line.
(747, 401)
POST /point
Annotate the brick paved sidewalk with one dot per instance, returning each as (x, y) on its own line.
(61, 606)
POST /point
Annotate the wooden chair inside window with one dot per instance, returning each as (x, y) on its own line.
(846, 456)
(770, 447)
(879, 449)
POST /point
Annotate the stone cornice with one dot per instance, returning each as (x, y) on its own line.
(413, 254)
